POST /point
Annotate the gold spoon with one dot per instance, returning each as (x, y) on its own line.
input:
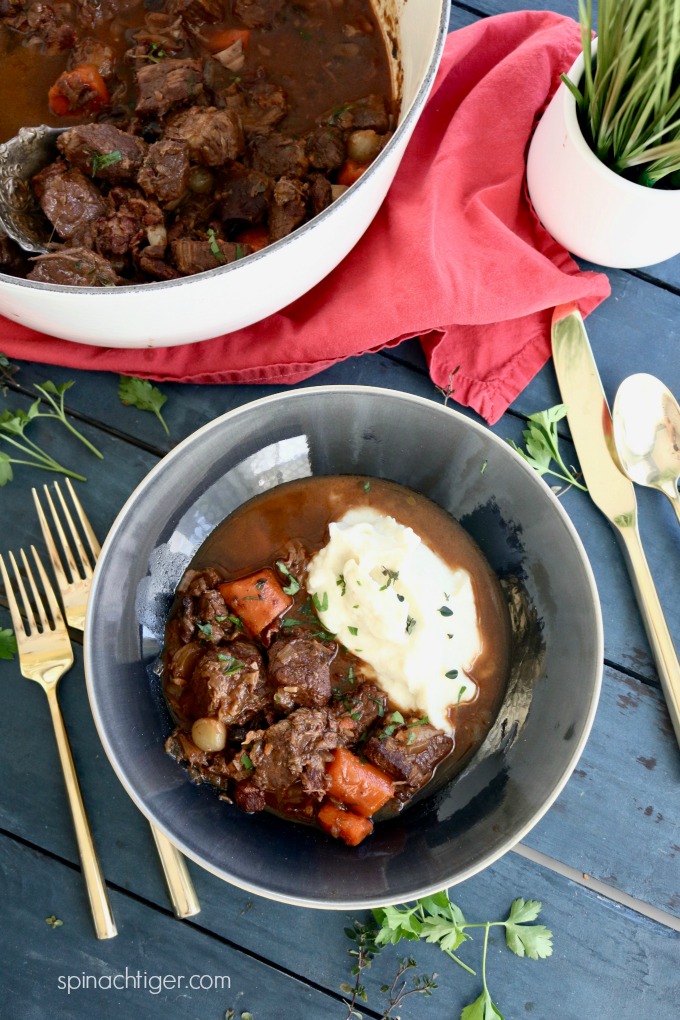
(647, 434)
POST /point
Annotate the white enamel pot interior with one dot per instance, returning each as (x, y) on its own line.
(231, 297)
(592, 211)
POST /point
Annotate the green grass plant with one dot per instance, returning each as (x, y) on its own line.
(629, 96)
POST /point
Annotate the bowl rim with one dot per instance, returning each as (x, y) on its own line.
(374, 391)
(154, 286)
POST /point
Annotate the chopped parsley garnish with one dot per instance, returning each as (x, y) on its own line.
(391, 575)
(461, 692)
(353, 631)
(321, 605)
(239, 252)
(410, 624)
(342, 584)
(236, 620)
(214, 246)
(400, 597)
(367, 486)
(350, 675)
(221, 619)
(260, 583)
(445, 611)
(100, 161)
(246, 762)
(396, 719)
(290, 621)
(232, 665)
(452, 674)
(293, 586)
(205, 629)
(380, 704)
(421, 722)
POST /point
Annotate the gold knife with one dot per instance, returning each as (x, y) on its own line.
(612, 492)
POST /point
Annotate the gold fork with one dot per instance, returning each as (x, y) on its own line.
(75, 591)
(45, 654)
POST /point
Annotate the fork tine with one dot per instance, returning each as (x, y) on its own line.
(37, 601)
(65, 545)
(28, 610)
(82, 516)
(49, 593)
(17, 622)
(49, 542)
(84, 558)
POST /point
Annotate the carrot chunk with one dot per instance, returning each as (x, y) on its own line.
(82, 90)
(223, 38)
(344, 825)
(361, 786)
(351, 171)
(257, 237)
(258, 599)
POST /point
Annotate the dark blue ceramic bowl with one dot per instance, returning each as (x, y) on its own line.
(465, 823)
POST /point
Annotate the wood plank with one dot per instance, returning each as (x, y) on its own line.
(630, 752)
(65, 972)
(605, 956)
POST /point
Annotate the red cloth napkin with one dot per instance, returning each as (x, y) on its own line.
(455, 254)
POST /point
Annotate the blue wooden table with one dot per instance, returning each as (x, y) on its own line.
(604, 861)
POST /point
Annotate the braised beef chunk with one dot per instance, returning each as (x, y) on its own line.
(289, 207)
(103, 151)
(198, 12)
(249, 797)
(357, 709)
(299, 672)
(244, 194)
(45, 24)
(170, 82)
(278, 155)
(212, 136)
(410, 755)
(162, 33)
(74, 267)
(71, 202)
(132, 221)
(93, 51)
(204, 615)
(257, 13)
(320, 192)
(259, 103)
(151, 261)
(228, 683)
(165, 171)
(369, 112)
(198, 256)
(293, 752)
(326, 148)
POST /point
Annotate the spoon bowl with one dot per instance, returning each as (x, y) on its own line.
(646, 420)
(21, 158)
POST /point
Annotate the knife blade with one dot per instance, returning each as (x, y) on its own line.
(590, 422)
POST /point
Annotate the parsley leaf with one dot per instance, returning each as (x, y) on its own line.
(293, 586)
(8, 644)
(542, 445)
(13, 425)
(214, 246)
(139, 393)
(320, 604)
(532, 940)
(100, 161)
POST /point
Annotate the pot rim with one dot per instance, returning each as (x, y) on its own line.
(403, 128)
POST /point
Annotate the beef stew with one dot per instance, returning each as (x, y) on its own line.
(198, 131)
(272, 709)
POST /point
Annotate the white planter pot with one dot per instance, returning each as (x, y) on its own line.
(589, 209)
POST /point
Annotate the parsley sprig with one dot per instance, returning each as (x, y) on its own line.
(542, 445)
(139, 393)
(13, 425)
(436, 919)
(54, 396)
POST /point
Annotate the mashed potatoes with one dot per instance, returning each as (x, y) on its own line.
(401, 609)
